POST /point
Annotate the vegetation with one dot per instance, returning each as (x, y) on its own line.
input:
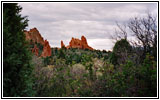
(83, 73)
(17, 68)
(122, 72)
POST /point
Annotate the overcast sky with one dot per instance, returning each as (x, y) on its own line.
(96, 21)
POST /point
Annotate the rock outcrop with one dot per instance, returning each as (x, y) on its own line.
(46, 49)
(62, 44)
(85, 44)
(34, 36)
(77, 43)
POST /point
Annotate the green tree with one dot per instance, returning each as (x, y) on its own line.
(40, 47)
(61, 54)
(17, 70)
(121, 51)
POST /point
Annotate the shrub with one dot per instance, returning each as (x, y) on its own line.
(121, 51)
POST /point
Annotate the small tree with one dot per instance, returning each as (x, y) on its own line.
(121, 51)
(61, 54)
(120, 33)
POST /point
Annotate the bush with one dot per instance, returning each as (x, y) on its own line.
(148, 75)
(121, 52)
(61, 54)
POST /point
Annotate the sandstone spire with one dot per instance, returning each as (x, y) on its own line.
(46, 49)
(62, 44)
(77, 43)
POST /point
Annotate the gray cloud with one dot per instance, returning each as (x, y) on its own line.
(96, 21)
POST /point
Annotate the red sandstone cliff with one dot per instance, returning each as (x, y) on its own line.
(76, 43)
(34, 36)
(46, 49)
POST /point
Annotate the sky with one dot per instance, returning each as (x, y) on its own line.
(96, 21)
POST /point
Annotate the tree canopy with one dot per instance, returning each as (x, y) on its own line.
(17, 69)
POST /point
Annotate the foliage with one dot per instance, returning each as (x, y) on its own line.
(95, 77)
(61, 54)
(148, 74)
(17, 69)
(85, 73)
(40, 48)
(121, 51)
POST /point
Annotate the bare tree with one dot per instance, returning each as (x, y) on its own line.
(120, 32)
(145, 30)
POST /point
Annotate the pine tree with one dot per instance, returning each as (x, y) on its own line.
(17, 70)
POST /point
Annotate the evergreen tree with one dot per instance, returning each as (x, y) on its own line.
(121, 51)
(17, 80)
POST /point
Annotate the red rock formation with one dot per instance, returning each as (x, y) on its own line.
(62, 44)
(46, 49)
(81, 44)
(34, 36)
(75, 43)
(85, 44)
(35, 50)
